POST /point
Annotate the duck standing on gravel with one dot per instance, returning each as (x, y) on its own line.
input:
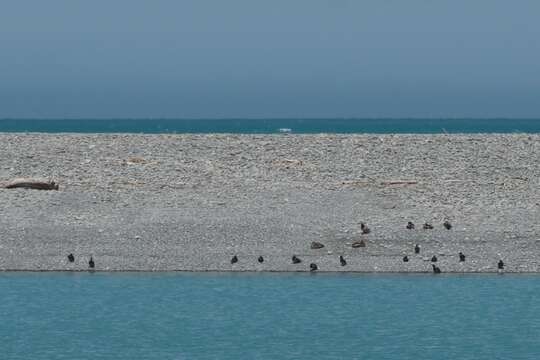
(461, 257)
(364, 228)
(417, 249)
(342, 260)
(447, 225)
(313, 267)
(405, 258)
(436, 269)
(500, 265)
(428, 226)
(410, 225)
(71, 258)
(91, 263)
(296, 260)
(433, 258)
(234, 259)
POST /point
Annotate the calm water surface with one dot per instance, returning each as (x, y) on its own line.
(268, 316)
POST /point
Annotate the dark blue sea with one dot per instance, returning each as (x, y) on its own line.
(268, 316)
(270, 126)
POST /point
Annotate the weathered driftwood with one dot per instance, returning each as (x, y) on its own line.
(37, 184)
(399, 182)
(383, 182)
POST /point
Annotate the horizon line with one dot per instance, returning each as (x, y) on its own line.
(269, 118)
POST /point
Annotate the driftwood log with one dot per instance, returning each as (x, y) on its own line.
(25, 183)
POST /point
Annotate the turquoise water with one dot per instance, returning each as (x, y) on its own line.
(268, 316)
(268, 126)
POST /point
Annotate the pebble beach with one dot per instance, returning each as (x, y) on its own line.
(192, 202)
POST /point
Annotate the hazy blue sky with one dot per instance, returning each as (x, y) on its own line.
(273, 58)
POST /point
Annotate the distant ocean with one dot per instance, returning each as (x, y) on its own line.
(272, 126)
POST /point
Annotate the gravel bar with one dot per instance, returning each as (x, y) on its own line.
(191, 202)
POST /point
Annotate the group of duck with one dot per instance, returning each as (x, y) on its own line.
(448, 226)
(295, 260)
(91, 263)
(365, 230)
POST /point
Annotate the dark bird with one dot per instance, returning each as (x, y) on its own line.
(71, 258)
(410, 225)
(234, 259)
(447, 225)
(462, 257)
(91, 263)
(416, 249)
(342, 260)
(359, 244)
(436, 269)
(364, 228)
(313, 267)
(500, 265)
(434, 259)
(260, 259)
(405, 258)
(296, 260)
(427, 226)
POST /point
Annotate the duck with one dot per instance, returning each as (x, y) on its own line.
(71, 258)
(405, 258)
(436, 269)
(234, 259)
(417, 249)
(342, 260)
(260, 259)
(500, 265)
(427, 226)
(410, 225)
(296, 260)
(364, 228)
(433, 258)
(447, 225)
(359, 244)
(91, 263)
(313, 267)
(461, 256)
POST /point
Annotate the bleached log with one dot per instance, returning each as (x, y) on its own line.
(27, 183)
